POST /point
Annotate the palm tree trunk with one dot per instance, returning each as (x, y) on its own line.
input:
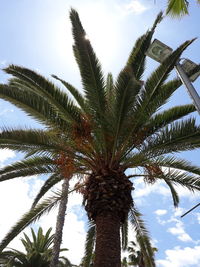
(60, 224)
(107, 251)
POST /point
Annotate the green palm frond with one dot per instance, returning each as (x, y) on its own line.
(176, 163)
(78, 97)
(89, 244)
(174, 193)
(137, 57)
(30, 217)
(89, 66)
(34, 105)
(24, 164)
(124, 234)
(126, 89)
(142, 237)
(37, 84)
(177, 8)
(162, 119)
(188, 181)
(178, 136)
(49, 183)
(40, 140)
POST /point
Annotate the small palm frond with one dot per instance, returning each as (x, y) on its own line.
(177, 8)
(174, 193)
(176, 163)
(49, 183)
(75, 93)
(188, 181)
(89, 244)
(30, 217)
(89, 66)
(162, 119)
(126, 89)
(39, 85)
(25, 164)
(124, 235)
(142, 237)
(34, 105)
(137, 57)
(179, 136)
(29, 139)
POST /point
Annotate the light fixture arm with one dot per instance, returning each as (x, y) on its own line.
(190, 88)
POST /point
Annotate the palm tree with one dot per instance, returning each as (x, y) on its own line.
(38, 252)
(116, 125)
(177, 8)
(136, 257)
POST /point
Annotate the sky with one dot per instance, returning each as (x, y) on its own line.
(37, 34)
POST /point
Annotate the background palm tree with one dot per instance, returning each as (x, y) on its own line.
(177, 8)
(136, 257)
(115, 126)
(38, 252)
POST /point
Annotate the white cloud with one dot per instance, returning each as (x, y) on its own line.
(160, 212)
(178, 257)
(179, 231)
(136, 7)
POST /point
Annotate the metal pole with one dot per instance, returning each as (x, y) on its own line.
(190, 88)
(190, 210)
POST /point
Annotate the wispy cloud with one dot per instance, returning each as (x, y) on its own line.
(136, 7)
(179, 231)
(160, 212)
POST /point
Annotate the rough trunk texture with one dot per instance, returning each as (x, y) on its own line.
(59, 224)
(107, 252)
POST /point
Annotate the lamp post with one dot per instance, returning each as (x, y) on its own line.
(160, 51)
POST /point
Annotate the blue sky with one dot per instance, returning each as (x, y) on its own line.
(37, 34)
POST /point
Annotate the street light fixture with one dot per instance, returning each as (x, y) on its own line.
(160, 51)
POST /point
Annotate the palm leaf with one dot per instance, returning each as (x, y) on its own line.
(78, 97)
(89, 66)
(142, 237)
(124, 235)
(137, 57)
(89, 244)
(30, 217)
(39, 85)
(49, 183)
(177, 8)
(34, 105)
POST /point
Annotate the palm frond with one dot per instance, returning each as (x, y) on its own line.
(176, 8)
(124, 234)
(142, 237)
(179, 136)
(137, 57)
(34, 105)
(49, 183)
(24, 164)
(174, 193)
(78, 97)
(177, 163)
(37, 84)
(23, 139)
(30, 217)
(188, 181)
(89, 244)
(89, 66)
